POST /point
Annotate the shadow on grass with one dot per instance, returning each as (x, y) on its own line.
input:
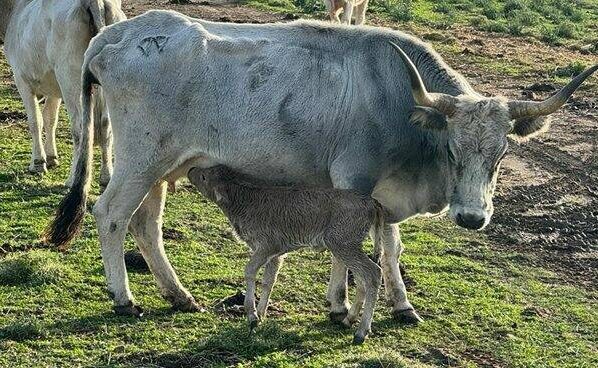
(230, 345)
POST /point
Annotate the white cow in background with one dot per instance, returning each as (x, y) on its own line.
(334, 8)
(44, 42)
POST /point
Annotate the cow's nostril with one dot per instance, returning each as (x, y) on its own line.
(470, 221)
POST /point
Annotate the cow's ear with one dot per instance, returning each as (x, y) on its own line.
(526, 128)
(428, 118)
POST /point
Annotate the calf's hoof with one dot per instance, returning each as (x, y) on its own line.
(38, 167)
(128, 310)
(253, 324)
(358, 339)
(52, 162)
(407, 316)
(338, 317)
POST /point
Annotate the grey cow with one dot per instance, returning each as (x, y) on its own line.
(276, 220)
(306, 103)
(44, 42)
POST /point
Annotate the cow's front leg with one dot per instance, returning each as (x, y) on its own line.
(393, 281)
(146, 227)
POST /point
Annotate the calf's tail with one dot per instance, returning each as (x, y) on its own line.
(71, 210)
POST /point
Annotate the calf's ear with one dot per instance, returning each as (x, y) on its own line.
(428, 118)
(526, 128)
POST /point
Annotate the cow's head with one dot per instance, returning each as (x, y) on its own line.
(477, 129)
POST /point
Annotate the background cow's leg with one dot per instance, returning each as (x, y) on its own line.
(393, 281)
(50, 115)
(360, 12)
(333, 10)
(34, 117)
(71, 93)
(146, 227)
(268, 280)
(347, 12)
(113, 211)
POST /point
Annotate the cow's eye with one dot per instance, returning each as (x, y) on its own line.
(202, 177)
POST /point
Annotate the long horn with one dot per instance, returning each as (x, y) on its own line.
(528, 109)
(440, 101)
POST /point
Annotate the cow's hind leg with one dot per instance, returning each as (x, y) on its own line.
(34, 117)
(113, 211)
(268, 281)
(146, 227)
(50, 115)
(393, 281)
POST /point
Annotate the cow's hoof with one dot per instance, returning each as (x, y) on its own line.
(52, 162)
(358, 339)
(407, 316)
(188, 306)
(338, 317)
(38, 167)
(128, 310)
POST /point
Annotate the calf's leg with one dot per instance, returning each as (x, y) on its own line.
(257, 260)
(336, 295)
(367, 274)
(50, 116)
(146, 227)
(268, 280)
(34, 117)
(347, 12)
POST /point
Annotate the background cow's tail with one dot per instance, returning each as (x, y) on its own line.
(71, 210)
(103, 13)
(378, 232)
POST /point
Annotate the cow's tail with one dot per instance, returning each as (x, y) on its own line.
(97, 14)
(102, 13)
(378, 232)
(71, 210)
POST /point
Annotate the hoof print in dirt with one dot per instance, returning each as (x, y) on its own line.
(135, 262)
(131, 310)
(407, 317)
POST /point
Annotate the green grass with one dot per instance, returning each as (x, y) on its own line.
(553, 21)
(478, 304)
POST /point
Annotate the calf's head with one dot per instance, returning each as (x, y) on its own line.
(477, 128)
(211, 182)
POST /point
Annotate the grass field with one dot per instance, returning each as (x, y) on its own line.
(482, 306)
(553, 21)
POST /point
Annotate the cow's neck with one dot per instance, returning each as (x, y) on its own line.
(6, 9)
